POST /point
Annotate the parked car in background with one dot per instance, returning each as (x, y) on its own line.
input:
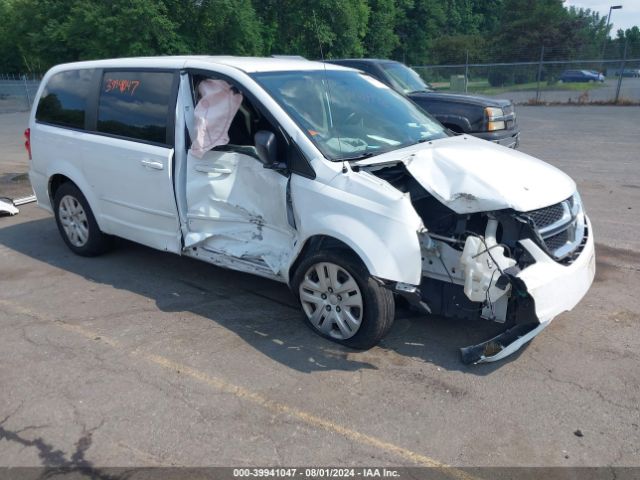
(483, 117)
(569, 76)
(601, 77)
(627, 72)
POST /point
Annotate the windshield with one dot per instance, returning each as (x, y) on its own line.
(347, 114)
(405, 78)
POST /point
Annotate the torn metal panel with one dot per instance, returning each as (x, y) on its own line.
(252, 265)
(554, 288)
(237, 207)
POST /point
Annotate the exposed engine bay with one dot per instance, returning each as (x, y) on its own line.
(470, 261)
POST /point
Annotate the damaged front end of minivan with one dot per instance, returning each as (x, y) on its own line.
(485, 256)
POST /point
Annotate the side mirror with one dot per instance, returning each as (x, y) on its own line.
(267, 148)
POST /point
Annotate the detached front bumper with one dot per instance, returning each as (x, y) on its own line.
(555, 288)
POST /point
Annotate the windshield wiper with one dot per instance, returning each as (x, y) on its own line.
(362, 156)
(417, 142)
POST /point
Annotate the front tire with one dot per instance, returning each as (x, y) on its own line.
(342, 301)
(76, 222)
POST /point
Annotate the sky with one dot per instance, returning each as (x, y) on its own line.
(625, 18)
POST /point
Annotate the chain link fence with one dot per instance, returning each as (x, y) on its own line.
(542, 82)
(610, 81)
(17, 92)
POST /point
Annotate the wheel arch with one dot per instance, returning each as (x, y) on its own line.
(69, 173)
(457, 123)
(55, 181)
(314, 244)
(377, 257)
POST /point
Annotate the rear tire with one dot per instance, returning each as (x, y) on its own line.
(76, 222)
(342, 301)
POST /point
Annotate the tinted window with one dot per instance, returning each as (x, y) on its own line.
(135, 104)
(64, 99)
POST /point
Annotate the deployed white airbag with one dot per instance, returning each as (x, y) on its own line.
(219, 102)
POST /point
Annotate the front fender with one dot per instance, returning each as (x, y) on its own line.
(375, 220)
(400, 264)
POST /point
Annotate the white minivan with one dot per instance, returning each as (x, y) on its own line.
(314, 175)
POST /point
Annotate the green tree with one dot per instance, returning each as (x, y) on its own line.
(588, 32)
(460, 18)
(488, 12)
(297, 27)
(454, 48)
(224, 27)
(419, 22)
(10, 60)
(47, 32)
(381, 40)
(631, 37)
(526, 26)
(111, 28)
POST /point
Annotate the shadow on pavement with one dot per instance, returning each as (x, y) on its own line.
(262, 312)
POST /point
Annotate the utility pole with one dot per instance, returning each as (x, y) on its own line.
(621, 72)
(606, 32)
(466, 72)
(539, 74)
(26, 89)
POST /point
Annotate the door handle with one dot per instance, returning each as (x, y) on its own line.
(152, 164)
(212, 169)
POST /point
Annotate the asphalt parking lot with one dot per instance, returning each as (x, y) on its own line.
(142, 358)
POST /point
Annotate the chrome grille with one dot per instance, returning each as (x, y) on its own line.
(509, 115)
(561, 227)
(556, 241)
(547, 216)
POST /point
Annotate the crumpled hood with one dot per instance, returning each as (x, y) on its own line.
(471, 175)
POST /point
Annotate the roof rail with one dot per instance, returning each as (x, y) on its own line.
(290, 57)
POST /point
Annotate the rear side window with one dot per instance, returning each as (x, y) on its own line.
(135, 104)
(64, 99)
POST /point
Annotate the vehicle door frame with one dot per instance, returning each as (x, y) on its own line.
(291, 155)
(304, 170)
(293, 152)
